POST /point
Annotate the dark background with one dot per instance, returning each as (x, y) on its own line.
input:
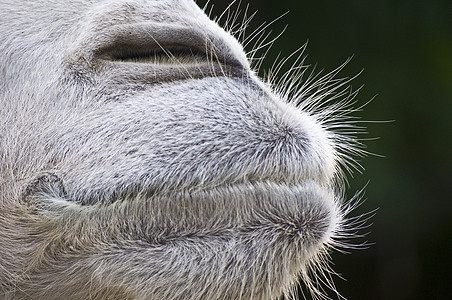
(405, 50)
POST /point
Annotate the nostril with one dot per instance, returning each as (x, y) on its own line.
(173, 55)
(151, 43)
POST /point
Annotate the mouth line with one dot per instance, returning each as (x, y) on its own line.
(139, 191)
(302, 213)
(51, 184)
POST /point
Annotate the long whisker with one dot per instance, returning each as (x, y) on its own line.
(172, 57)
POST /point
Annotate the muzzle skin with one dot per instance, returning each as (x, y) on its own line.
(143, 158)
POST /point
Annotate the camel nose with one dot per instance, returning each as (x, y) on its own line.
(147, 42)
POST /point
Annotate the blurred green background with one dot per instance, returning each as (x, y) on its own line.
(405, 49)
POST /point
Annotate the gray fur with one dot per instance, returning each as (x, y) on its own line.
(138, 178)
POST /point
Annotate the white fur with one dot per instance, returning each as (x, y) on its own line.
(169, 177)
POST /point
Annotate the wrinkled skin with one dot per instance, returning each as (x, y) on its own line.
(126, 174)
